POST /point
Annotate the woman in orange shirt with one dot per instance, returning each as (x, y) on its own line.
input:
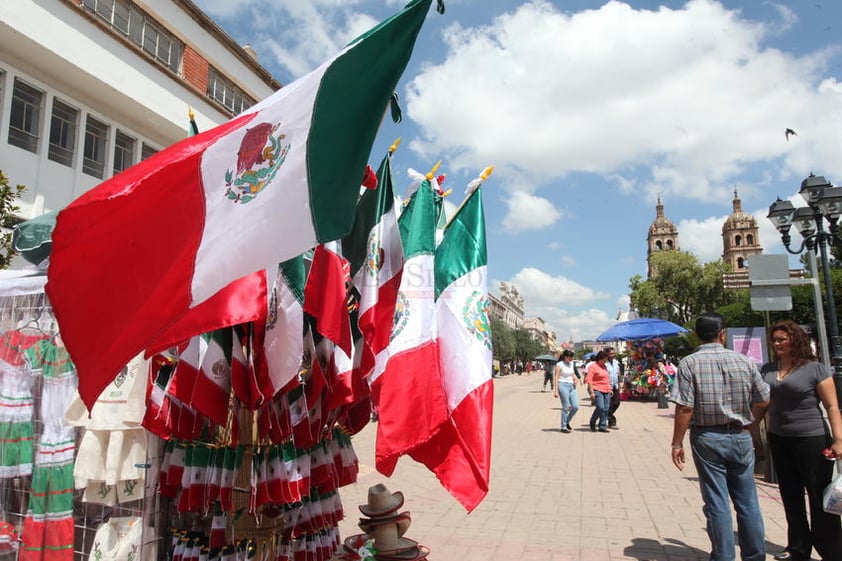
(599, 388)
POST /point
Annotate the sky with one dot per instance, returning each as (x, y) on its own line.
(589, 111)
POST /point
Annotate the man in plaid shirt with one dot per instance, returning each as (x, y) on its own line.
(719, 396)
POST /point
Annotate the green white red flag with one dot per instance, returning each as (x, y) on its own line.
(143, 250)
(408, 393)
(460, 454)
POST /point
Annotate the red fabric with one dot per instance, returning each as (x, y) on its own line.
(411, 402)
(128, 222)
(460, 454)
(326, 295)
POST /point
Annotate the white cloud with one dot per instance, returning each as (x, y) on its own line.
(311, 31)
(702, 237)
(568, 260)
(529, 212)
(578, 325)
(540, 289)
(692, 93)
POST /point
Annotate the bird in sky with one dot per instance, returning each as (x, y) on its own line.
(790, 132)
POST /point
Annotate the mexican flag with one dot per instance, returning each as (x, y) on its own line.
(460, 453)
(375, 253)
(141, 251)
(408, 393)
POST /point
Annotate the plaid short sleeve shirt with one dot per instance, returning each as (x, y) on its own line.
(720, 385)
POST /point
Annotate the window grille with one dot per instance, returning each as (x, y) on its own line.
(140, 29)
(63, 133)
(96, 139)
(225, 92)
(147, 151)
(25, 116)
(123, 152)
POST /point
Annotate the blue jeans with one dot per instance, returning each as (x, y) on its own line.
(724, 460)
(569, 402)
(601, 401)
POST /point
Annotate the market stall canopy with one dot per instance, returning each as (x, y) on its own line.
(546, 357)
(33, 238)
(641, 329)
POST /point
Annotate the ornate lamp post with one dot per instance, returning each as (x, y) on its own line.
(824, 203)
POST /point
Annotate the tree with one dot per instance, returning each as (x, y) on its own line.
(681, 289)
(8, 208)
(502, 340)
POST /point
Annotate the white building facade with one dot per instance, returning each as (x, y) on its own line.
(91, 87)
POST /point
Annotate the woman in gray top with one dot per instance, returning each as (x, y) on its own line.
(798, 433)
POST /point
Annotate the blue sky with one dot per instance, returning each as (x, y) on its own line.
(589, 110)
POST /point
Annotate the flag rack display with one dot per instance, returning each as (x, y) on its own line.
(277, 314)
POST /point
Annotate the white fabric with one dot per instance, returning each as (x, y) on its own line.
(120, 406)
(566, 372)
(117, 540)
(110, 456)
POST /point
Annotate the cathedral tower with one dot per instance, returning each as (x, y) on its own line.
(740, 239)
(663, 236)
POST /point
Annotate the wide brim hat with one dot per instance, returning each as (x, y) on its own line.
(415, 554)
(397, 547)
(381, 502)
(402, 520)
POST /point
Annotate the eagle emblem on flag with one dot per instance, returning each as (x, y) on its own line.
(475, 316)
(375, 255)
(259, 158)
(401, 316)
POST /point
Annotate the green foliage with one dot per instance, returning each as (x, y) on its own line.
(8, 208)
(682, 288)
(513, 344)
(502, 340)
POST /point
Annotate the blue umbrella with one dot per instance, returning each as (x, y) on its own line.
(640, 330)
(590, 355)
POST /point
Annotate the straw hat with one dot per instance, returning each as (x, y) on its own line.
(381, 502)
(401, 522)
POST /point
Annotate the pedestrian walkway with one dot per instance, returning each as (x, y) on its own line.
(581, 496)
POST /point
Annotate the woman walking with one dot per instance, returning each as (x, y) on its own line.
(565, 380)
(599, 388)
(798, 432)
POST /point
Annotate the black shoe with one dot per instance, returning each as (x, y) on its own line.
(565, 430)
(593, 427)
(604, 430)
(789, 556)
(569, 428)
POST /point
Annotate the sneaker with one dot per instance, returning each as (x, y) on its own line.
(565, 430)
(569, 428)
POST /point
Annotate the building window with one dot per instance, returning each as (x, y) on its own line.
(147, 151)
(669, 244)
(25, 116)
(741, 263)
(738, 241)
(123, 152)
(225, 92)
(96, 139)
(62, 133)
(750, 239)
(659, 245)
(140, 29)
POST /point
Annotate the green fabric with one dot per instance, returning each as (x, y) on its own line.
(373, 204)
(353, 95)
(33, 238)
(463, 248)
(417, 223)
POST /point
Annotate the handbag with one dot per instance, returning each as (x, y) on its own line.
(832, 497)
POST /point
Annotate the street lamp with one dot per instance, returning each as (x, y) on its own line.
(824, 203)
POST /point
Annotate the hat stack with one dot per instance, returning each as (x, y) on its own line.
(386, 527)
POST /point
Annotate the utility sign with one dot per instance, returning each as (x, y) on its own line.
(770, 283)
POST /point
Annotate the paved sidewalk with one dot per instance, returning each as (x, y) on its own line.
(561, 497)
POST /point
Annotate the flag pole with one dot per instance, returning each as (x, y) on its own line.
(472, 186)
